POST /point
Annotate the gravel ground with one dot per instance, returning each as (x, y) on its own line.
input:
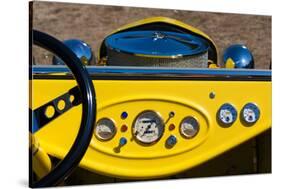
(93, 23)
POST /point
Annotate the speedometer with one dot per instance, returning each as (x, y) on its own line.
(148, 127)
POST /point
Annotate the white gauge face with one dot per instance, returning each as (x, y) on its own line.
(250, 113)
(148, 127)
(189, 127)
(105, 129)
(227, 114)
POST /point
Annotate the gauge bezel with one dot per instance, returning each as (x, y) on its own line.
(95, 130)
(181, 132)
(242, 115)
(133, 127)
(221, 123)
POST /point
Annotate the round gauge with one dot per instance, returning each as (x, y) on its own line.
(189, 127)
(250, 113)
(227, 114)
(105, 129)
(148, 127)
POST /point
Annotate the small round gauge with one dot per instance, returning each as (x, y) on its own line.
(250, 113)
(148, 127)
(227, 114)
(105, 129)
(189, 127)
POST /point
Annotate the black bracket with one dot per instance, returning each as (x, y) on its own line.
(40, 113)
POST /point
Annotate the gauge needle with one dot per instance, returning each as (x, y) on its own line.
(147, 130)
(144, 133)
(136, 133)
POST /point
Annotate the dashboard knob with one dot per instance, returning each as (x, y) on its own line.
(171, 141)
(124, 115)
(122, 141)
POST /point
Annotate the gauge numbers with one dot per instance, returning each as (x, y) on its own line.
(148, 127)
(227, 114)
(105, 129)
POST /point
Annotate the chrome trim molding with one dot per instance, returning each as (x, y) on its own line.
(153, 73)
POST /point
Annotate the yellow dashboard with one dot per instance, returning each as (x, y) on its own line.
(159, 127)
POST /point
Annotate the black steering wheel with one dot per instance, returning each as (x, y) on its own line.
(85, 85)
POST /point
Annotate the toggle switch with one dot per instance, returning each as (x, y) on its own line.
(171, 141)
(122, 142)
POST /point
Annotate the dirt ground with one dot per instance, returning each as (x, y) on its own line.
(93, 23)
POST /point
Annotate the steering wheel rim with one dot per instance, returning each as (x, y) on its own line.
(85, 85)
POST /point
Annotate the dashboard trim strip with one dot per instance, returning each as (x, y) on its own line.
(152, 73)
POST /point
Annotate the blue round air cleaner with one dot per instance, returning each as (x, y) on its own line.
(156, 48)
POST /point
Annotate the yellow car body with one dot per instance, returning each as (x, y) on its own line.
(193, 94)
(184, 97)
